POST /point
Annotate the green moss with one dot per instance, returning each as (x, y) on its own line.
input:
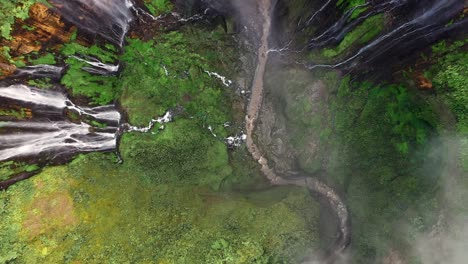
(157, 7)
(363, 33)
(100, 89)
(185, 84)
(96, 211)
(44, 83)
(46, 59)
(9, 168)
(448, 74)
(348, 4)
(12, 113)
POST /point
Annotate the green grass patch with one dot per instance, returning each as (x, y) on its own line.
(96, 211)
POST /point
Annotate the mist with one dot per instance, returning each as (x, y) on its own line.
(447, 240)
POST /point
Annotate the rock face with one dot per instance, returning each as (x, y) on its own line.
(294, 110)
(47, 25)
(42, 26)
(272, 135)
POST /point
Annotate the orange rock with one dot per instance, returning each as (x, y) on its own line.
(423, 82)
(48, 29)
(46, 24)
(6, 69)
(28, 113)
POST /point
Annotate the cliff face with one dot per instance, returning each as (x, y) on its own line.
(44, 28)
(47, 27)
(339, 86)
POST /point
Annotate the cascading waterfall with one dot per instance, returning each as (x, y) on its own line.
(109, 19)
(427, 24)
(55, 135)
(53, 138)
(40, 71)
(98, 67)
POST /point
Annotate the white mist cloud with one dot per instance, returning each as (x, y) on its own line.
(447, 241)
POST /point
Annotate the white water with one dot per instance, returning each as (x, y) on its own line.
(41, 70)
(161, 120)
(55, 138)
(225, 80)
(35, 96)
(423, 25)
(107, 18)
(98, 67)
(57, 100)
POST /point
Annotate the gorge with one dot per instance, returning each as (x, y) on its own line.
(253, 131)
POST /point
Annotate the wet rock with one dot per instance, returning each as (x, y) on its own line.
(46, 24)
(294, 109)
(273, 138)
(6, 69)
(47, 28)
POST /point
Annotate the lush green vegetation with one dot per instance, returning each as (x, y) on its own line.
(11, 10)
(374, 143)
(378, 143)
(383, 154)
(157, 7)
(171, 74)
(162, 204)
(183, 153)
(379, 136)
(100, 89)
(96, 211)
(9, 168)
(17, 114)
(45, 59)
(347, 4)
(450, 79)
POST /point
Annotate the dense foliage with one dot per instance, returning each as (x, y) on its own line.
(96, 211)
(170, 75)
(101, 90)
(383, 145)
(162, 204)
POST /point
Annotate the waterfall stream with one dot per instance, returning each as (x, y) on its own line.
(98, 67)
(56, 135)
(424, 26)
(109, 19)
(329, 195)
(40, 71)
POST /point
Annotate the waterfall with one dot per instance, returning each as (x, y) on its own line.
(40, 71)
(109, 19)
(55, 135)
(429, 22)
(53, 139)
(98, 67)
